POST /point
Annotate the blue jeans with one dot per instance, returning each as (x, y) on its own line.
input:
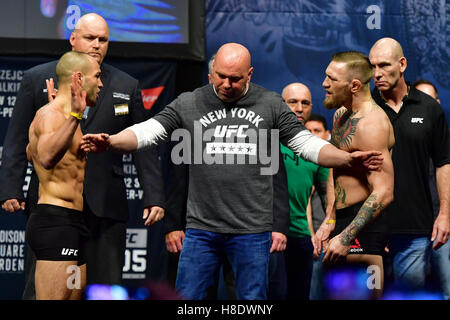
(299, 260)
(317, 291)
(440, 267)
(202, 256)
(410, 256)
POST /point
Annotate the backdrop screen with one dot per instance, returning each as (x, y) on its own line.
(40, 26)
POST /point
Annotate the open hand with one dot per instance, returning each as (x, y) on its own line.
(95, 143)
(366, 160)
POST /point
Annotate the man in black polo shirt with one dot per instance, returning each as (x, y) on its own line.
(421, 133)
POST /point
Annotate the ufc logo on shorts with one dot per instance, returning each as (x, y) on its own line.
(69, 252)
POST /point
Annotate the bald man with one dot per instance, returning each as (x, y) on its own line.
(302, 176)
(298, 97)
(105, 200)
(421, 133)
(56, 229)
(226, 127)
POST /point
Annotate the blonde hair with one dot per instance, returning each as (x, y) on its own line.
(357, 63)
(71, 62)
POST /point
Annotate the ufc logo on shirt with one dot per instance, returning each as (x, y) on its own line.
(416, 120)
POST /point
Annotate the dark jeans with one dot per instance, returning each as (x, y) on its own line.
(105, 249)
(277, 277)
(299, 260)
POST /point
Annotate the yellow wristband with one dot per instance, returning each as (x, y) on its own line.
(331, 221)
(79, 116)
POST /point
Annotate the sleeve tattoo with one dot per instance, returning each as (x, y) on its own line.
(365, 215)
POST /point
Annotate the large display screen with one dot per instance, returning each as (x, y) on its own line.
(138, 28)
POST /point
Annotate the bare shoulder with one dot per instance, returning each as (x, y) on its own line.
(375, 130)
(47, 119)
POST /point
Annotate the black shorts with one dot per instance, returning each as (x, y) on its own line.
(56, 233)
(371, 240)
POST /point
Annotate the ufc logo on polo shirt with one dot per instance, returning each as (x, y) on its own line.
(416, 120)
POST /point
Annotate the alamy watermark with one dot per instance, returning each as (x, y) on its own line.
(374, 20)
(374, 279)
(74, 279)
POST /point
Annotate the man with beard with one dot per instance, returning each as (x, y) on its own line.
(356, 199)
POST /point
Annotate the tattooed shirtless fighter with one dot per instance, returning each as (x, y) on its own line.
(356, 198)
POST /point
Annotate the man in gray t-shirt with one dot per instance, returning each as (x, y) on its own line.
(230, 131)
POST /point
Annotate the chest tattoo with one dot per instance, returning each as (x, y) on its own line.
(344, 130)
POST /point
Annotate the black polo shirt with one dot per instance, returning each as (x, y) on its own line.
(421, 133)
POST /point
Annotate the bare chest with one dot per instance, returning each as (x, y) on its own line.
(74, 153)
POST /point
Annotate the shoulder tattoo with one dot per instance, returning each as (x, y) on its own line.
(344, 129)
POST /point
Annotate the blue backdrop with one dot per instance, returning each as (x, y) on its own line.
(293, 40)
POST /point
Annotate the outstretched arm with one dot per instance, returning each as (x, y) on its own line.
(316, 150)
(142, 135)
(332, 157)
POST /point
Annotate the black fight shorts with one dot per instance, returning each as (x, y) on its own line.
(371, 240)
(57, 233)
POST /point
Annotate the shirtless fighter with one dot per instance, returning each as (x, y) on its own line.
(55, 229)
(356, 198)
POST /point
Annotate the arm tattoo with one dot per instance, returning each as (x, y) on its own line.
(339, 193)
(365, 215)
(344, 129)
